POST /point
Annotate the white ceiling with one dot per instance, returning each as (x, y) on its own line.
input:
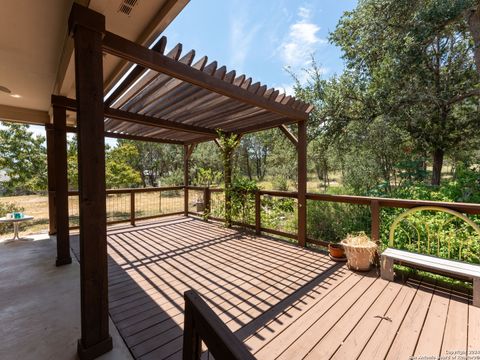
(31, 40)
(33, 35)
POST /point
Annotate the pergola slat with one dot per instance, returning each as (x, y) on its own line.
(118, 46)
(136, 73)
(152, 93)
(239, 80)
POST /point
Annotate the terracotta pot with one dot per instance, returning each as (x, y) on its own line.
(336, 251)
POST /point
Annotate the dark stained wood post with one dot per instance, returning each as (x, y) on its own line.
(87, 28)
(132, 207)
(185, 178)
(192, 343)
(375, 213)
(52, 226)
(187, 153)
(302, 183)
(61, 185)
(258, 213)
(206, 201)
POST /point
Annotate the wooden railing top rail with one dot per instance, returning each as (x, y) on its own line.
(469, 208)
(212, 189)
(136, 190)
(288, 194)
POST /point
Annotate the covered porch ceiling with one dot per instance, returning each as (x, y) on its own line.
(36, 53)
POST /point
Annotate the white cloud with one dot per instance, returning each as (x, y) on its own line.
(242, 33)
(301, 41)
(286, 88)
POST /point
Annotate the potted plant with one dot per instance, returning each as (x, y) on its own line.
(336, 252)
(360, 251)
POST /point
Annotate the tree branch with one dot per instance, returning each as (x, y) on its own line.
(461, 97)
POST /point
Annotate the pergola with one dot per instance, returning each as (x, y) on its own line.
(167, 98)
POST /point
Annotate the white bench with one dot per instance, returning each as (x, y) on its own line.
(456, 269)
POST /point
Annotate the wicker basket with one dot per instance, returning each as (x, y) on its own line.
(360, 251)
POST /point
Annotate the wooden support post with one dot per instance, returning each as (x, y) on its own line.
(302, 183)
(187, 153)
(160, 202)
(61, 185)
(52, 226)
(375, 214)
(132, 207)
(258, 213)
(192, 343)
(185, 179)
(87, 28)
(206, 202)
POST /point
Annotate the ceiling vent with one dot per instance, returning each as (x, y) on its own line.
(127, 6)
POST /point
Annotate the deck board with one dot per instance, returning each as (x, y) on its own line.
(282, 301)
(473, 330)
(404, 344)
(455, 338)
(431, 336)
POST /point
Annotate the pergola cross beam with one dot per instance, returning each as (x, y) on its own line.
(289, 135)
(71, 104)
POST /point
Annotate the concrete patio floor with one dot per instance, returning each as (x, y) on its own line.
(40, 304)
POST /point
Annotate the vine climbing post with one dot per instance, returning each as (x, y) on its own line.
(302, 183)
(227, 144)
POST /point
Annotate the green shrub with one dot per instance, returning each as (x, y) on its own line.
(279, 213)
(280, 183)
(242, 192)
(329, 221)
(175, 178)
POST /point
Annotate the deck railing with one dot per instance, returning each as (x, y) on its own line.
(271, 212)
(203, 325)
(271, 201)
(131, 205)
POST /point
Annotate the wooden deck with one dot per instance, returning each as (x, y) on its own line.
(284, 302)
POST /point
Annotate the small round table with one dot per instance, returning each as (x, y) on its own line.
(16, 223)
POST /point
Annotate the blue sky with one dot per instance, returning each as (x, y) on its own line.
(259, 37)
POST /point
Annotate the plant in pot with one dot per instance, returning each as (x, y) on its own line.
(336, 252)
(360, 251)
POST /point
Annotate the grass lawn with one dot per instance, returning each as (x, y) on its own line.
(34, 205)
(118, 208)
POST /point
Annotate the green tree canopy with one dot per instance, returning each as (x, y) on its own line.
(419, 75)
(22, 159)
(119, 172)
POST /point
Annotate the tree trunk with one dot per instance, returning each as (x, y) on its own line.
(473, 19)
(247, 159)
(227, 163)
(437, 166)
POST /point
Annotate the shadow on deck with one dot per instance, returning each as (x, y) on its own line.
(283, 301)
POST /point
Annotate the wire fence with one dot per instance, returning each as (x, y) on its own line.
(125, 205)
